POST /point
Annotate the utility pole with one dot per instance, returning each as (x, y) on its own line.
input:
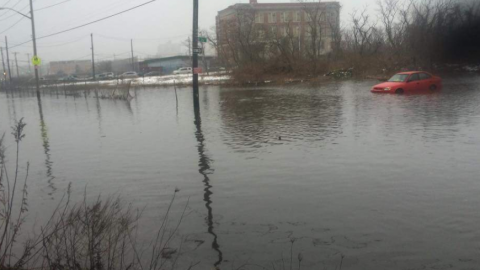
(34, 38)
(133, 61)
(16, 64)
(8, 61)
(29, 63)
(3, 65)
(93, 59)
(196, 101)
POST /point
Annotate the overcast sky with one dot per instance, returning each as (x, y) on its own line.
(149, 26)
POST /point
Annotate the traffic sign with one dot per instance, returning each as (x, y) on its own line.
(197, 50)
(197, 70)
(202, 39)
(36, 61)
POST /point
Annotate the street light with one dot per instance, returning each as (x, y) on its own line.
(32, 18)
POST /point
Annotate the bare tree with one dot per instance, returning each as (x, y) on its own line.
(314, 15)
(363, 33)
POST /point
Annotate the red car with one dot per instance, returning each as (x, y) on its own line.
(409, 83)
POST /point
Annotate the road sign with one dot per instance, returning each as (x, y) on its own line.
(197, 50)
(36, 61)
(197, 70)
(202, 39)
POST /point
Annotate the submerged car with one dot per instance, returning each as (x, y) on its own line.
(409, 82)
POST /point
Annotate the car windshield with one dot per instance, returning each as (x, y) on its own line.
(398, 78)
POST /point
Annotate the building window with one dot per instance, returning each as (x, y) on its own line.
(284, 17)
(272, 17)
(297, 17)
(296, 31)
(322, 17)
(308, 17)
(258, 17)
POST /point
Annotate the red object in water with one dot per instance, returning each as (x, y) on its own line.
(409, 83)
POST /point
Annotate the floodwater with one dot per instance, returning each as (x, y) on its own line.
(384, 181)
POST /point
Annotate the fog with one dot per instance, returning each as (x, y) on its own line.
(149, 26)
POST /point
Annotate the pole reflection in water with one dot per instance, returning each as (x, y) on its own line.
(46, 149)
(206, 170)
(99, 113)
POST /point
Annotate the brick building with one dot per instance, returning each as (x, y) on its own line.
(307, 24)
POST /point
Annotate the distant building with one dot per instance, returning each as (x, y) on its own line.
(167, 65)
(70, 67)
(120, 66)
(257, 22)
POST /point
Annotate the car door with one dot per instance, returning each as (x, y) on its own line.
(413, 83)
(426, 80)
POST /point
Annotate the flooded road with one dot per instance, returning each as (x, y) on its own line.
(384, 181)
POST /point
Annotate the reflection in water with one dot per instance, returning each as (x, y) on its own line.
(205, 170)
(99, 112)
(46, 149)
(129, 106)
(254, 118)
(12, 118)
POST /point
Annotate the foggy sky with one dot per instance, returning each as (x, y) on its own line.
(149, 26)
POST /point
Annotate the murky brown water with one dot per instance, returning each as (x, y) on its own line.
(389, 182)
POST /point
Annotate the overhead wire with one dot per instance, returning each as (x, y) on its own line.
(13, 25)
(16, 4)
(99, 11)
(10, 7)
(86, 24)
(23, 9)
(15, 14)
(61, 44)
(7, 3)
(54, 5)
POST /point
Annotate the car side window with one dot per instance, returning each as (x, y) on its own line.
(424, 76)
(414, 77)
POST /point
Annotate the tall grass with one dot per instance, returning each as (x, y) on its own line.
(98, 235)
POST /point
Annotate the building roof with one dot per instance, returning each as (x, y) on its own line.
(281, 5)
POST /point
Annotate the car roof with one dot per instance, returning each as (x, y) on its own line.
(412, 72)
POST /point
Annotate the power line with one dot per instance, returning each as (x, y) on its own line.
(28, 6)
(15, 14)
(86, 24)
(18, 2)
(13, 25)
(47, 7)
(7, 3)
(5, 6)
(61, 44)
(99, 11)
